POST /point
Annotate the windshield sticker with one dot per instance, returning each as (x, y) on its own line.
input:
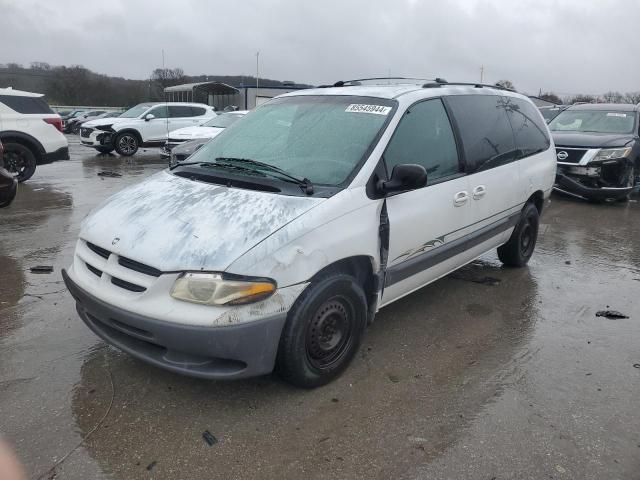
(363, 108)
(613, 114)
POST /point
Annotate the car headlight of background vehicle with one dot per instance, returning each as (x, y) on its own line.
(221, 289)
(612, 153)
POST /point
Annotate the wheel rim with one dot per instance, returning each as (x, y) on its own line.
(127, 144)
(15, 162)
(527, 238)
(330, 333)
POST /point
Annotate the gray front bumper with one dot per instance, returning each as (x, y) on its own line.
(230, 352)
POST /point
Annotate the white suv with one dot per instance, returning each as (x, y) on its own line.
(145, 125)
(30, 131)
(278, 241)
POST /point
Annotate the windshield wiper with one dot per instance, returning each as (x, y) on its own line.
(228, 166)
(304, 183)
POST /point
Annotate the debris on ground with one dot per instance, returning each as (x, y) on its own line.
(636, 365)
(611, 314)
(151, 465)
(107, 173)
(42, 269)
(470, 277)
(209, 438)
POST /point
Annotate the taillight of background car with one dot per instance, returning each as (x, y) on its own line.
(55, 121)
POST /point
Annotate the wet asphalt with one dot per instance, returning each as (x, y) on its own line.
(489, 373)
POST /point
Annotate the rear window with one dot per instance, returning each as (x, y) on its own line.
(179, 111)
(529, 129)
(197, 111)
(486, 134)
(25, 104)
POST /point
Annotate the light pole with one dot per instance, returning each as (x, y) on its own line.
(257, 73)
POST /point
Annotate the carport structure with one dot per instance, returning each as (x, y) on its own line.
(218, 95)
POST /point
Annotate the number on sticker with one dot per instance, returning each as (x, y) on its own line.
(364, 108)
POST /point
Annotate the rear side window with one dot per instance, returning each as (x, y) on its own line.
(178, 111)
(25, 104)
(197, 111)
(529, 130)
(486, 133)
(424, 137)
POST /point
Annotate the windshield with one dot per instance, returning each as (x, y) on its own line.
(222, 121)
(593, 121)
(137, 110)
(320, 138)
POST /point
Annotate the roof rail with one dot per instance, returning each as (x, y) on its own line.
(439, 82)
(377, 81)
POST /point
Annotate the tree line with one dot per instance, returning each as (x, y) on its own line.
(77, 85)
(608, 97)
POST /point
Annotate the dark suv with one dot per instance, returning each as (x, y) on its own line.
(598, 150)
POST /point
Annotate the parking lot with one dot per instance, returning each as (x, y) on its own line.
(487, 373)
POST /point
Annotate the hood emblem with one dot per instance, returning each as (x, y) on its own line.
(115, 240)
(562, 155)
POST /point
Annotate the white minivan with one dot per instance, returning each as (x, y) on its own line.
(275, 244)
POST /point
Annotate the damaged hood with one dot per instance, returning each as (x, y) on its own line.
(173, 223)
(591, 140)
(195, 132)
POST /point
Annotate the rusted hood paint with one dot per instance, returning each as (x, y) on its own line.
(174, 224)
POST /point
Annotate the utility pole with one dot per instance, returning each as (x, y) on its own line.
(481, 73)
(257, 73)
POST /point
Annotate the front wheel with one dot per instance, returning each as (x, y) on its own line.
(19, 160)
(75, 128)
(323, 331)
(518, 250)
(126, 144)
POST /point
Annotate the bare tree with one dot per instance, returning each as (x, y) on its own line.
(551, 97)
(613, 97)
(632, 97)
(40, 66)
(582, 98)
(508, 84)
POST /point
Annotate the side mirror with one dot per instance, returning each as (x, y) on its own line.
(404, 177)
(149, 116)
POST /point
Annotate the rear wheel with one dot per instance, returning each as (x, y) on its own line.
(19, 160)
(518, 250)
(323, 331)
(126, 144)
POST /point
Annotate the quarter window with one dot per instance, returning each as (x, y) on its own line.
(529, 130)
(197, 111)
(486, 133)
(424, 137)
(22, 104)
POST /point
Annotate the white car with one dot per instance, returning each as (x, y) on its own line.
(278, 242)
(208, 130)
(30, 131)
(145, 125)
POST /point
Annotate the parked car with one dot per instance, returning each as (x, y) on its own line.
(598, 150)
(72, 125)
(206, 131)
(79, 122)
(145, 125)
(8, 184)
(279, 240)
(31, 133)
(182, 151)
(549, 113)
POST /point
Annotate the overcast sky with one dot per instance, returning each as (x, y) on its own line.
(568, 46)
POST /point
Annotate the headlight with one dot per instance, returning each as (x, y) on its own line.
(221, 289)
(612, 153)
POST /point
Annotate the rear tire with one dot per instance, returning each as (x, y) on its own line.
(518, 250)
(19, 160)
(104, 149)
(126, 144)
(323, 332)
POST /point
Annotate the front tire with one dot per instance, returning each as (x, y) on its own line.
(518, 250)
(75, 129)
(127, 144)
(19, 160)
(323, 332)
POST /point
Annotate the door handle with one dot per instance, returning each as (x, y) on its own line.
(479, 192)
(460, 198)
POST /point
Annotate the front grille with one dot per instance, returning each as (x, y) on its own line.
(98, 250)
(132, 287)
(107, 269)
(138, 267)
(574, 155)
(86, 132)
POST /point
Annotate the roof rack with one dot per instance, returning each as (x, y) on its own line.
(378, 81)
(439, 82)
